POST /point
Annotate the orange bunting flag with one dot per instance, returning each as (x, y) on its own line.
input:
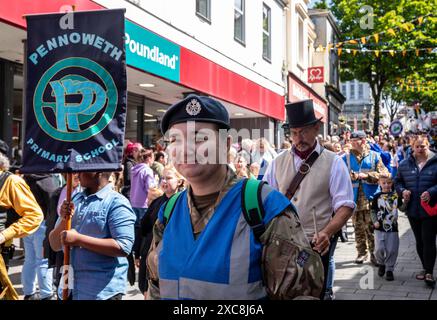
(377, 53)
(353, 41)
(407, 27)
(376, 36)
(354, 52)
(392, 52)
(417, 52)
(363, 40)
(420, 20)
(391, 31)
(339, 51)
(339, 44)
(429, 50)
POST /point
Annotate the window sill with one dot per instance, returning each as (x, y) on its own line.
(203, 18)
(240, 42)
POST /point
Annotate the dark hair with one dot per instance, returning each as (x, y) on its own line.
(159, 155)
(144, 155)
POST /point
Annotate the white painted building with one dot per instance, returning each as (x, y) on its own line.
(300, 39)
(246, 37)
(328, 32)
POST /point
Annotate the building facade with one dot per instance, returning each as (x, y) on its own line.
(328, 32)
(230, 50)
(358, 109)
(300, 40)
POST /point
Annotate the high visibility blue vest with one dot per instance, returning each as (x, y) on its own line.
(224, 262)
(369, 163)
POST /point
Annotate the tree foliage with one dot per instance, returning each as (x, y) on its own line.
(384, 72)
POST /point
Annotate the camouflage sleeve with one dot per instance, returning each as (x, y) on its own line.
(152, 262)
(291, 269)
(374, 175)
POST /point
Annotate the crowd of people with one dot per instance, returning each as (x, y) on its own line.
(263, 225)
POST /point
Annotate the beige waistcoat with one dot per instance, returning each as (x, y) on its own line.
(313, 192)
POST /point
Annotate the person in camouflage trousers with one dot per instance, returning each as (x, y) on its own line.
(365, 167)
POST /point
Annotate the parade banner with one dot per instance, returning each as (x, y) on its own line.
(396, 128)
(75, 92)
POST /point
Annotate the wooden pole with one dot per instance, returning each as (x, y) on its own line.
(67, 248)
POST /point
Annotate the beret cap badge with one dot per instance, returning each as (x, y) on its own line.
(193, 107)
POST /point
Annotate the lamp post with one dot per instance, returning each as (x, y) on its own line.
(364, 120)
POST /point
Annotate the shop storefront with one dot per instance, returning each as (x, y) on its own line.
(159, 73)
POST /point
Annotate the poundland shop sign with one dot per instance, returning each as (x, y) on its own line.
(149, 52)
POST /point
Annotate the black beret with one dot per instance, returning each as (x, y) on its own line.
(4, 148)
(196, 108)
(358, 135)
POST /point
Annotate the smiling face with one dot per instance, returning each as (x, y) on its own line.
(197, 150)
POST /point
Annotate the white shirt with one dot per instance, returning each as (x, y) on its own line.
(340, 186)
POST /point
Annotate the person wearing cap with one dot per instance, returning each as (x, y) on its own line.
(20, 215)
(364, 167)
(206, 249)
(325, 189)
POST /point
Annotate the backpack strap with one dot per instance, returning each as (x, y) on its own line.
(252, 206)
(169, 207)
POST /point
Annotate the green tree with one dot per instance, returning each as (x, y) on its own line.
(385, 70)
(321, 5)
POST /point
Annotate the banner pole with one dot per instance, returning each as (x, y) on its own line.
(67, 248)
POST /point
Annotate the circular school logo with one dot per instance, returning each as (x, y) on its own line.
(396, 128)
(75, 99)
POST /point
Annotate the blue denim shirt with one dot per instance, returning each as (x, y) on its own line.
(105, 214)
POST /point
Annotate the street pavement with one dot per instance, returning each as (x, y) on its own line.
(352, 281)
(361, 282)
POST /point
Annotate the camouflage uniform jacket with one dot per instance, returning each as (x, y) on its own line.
(285, 275)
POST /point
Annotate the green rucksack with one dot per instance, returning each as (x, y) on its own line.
(251, 204)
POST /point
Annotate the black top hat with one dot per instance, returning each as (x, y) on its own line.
(301, 114)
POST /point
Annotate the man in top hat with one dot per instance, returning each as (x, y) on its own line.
(203, 246)
(324, 197)
(364, 166)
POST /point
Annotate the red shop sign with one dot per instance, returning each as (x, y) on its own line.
(315, 75)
